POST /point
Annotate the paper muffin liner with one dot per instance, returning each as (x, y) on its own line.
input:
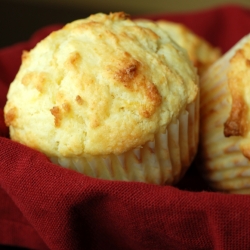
(162, 161)
(223, 164)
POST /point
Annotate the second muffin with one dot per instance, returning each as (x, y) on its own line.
(225, 120)
(200, 51)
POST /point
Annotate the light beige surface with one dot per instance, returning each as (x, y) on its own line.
(99, 96)
(139, 6)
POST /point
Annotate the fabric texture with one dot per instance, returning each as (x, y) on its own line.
(44, 206)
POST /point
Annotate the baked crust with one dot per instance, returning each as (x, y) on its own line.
(238, 80)
(237, 123)
(98, 86)
(201, 52)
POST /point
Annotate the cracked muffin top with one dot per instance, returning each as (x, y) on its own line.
(98, 86)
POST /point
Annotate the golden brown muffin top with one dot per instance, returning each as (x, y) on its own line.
(97, 86)
(201, 52)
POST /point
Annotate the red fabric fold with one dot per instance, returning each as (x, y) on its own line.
(44, 206)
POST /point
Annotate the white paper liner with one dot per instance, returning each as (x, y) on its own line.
(224, 165)
(162, 161)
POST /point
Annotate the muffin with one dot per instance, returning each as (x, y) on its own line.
(225, 121)
(201, 52)
(110, 99)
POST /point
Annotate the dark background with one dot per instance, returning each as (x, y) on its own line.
(18, 21)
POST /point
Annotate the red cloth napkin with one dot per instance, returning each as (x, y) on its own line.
(44, 206)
